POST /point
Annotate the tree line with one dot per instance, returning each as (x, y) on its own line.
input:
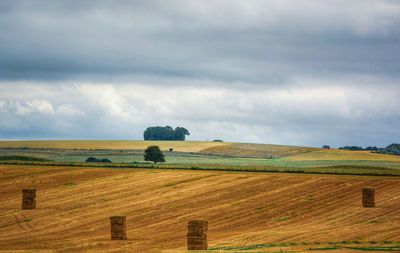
(392, 149)
(371, 148)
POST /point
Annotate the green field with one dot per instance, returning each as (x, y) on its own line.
(210, 155)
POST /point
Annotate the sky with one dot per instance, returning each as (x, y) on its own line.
(303, 72)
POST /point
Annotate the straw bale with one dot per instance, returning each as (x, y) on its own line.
(118, 219)
(29, 205)
(200, 246)
(197, 235)
(198, 224)
(29, 193)
(368, 196)
(197, 239)
(197, 232)
(118, 227)
(28, 198)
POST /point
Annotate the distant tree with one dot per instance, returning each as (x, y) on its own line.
(353, 148)
(372, 148)
(159, 133)
(326, 147)
(165, 133)
(154, 154)
(96, 160)
(91, 160)
(180, 133)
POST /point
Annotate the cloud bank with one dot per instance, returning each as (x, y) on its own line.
(301, 115)
(250, 41)
(288, 72)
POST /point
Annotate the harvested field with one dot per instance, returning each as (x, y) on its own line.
(347, 155)
(256, 150)
(245, 211)
(181, 146)
(214, 148)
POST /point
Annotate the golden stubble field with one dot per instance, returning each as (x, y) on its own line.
(338, 154)
(182, 146)
(74, 205)
(205, 147)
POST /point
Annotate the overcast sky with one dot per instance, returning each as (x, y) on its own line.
(304, 72)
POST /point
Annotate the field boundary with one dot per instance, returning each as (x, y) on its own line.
(320, 246)
(258, 169)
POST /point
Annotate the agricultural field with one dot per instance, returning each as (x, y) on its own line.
(256, 150)
(247, 212)
(182, 146)
(210, 155)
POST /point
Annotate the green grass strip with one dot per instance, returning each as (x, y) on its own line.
(22, 158)
(230, 168)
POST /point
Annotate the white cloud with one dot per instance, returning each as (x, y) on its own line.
(308, 111)
(2, 106)
(69, 110)
(34, 106)
(108, 99)
(22, 110)
(41, 106)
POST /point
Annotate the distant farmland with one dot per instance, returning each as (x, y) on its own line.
(203, 155)
(182, 146)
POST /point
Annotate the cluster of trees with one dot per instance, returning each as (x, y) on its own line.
(165, 133)
(96, 160)
(359, 148)
(392, 149)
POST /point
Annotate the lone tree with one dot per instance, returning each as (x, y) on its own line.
(154, 154)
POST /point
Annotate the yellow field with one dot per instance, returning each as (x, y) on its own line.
(243, 209)
(337, 154)
(182, 146)
(256, 150)
(215, 148)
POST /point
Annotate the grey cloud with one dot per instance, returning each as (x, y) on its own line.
(230, 41)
